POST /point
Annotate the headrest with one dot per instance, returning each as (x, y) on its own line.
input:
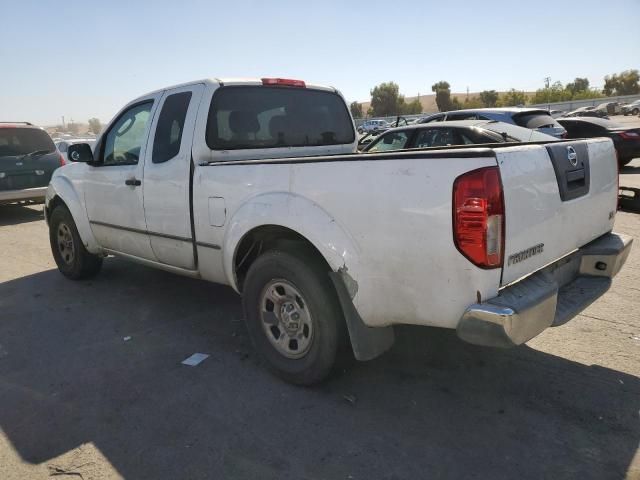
(243, 122)
(277, 125)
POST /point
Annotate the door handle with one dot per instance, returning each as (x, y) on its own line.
(134, 182)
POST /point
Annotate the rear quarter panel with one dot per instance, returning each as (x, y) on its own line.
(394, 216)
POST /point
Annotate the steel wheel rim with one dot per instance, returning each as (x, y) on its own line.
(65, 243)
(286, 319)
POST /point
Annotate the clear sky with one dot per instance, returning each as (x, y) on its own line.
(88, 58)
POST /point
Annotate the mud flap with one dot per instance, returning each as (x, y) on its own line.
(367, 342)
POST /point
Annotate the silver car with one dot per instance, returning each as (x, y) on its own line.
(632, 108)
(533, 118)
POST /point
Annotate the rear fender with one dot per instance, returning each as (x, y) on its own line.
(295, 213)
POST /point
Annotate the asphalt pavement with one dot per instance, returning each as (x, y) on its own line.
(92, 386)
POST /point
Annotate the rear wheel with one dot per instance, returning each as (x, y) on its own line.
(635, 111)
(72, 258)
(293, 316)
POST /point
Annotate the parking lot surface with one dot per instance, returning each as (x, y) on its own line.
(92, 386)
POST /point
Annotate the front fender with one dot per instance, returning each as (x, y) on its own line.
(61, 187)
(296, 213)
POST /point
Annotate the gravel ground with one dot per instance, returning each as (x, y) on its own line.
(80, 400)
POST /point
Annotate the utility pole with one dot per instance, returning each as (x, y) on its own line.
(62, 122)
(467, 92)
(547, 82)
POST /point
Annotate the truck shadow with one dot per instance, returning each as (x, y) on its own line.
(16, 214)
(432, 407)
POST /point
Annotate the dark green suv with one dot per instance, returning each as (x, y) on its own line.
(28, 157)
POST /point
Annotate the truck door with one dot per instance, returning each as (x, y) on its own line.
(167, 175)
(113, 186)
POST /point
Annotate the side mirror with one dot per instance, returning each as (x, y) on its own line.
(80, 152)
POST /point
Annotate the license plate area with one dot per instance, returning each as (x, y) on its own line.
(571, 166)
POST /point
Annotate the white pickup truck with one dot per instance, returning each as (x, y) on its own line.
(256, 184)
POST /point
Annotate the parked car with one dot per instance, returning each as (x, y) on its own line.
(28, 157)
(590, 111)
(63, 145)
(625, 140)
(373, 125)
(462, 132)
(556, 113)
(632, 108)
(257, 184)
(533, 118)
(609, 108)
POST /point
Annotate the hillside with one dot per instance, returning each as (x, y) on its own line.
(429, 101)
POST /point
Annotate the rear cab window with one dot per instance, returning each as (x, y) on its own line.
(168, 136)
(259, 117)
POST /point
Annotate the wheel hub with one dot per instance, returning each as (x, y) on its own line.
(286, 319)
(65, 243)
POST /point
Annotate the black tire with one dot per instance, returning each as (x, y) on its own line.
(635, 111)
(310, 278)
(72, 258)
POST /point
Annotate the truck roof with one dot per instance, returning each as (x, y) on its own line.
(231, 81)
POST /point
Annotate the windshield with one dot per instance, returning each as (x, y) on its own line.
(270, 117)
(21, 141)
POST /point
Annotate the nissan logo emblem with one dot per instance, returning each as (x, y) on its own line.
(572, 156)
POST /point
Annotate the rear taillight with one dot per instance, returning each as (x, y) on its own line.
(61, 158)
(630, 135)
(283, 82)
(478, 217)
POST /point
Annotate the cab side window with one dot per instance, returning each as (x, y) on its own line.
(124, 140)
(166, 143)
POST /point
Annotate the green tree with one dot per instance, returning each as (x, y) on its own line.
(473, 102)
(623, 83)
(587, 94)
(578, 85)
(456, 104)
(512, 98)
(386, 100)
(413, 107)
(554, 93)
(94, 125)
(356, 110)
(489, 98)
(442, 90)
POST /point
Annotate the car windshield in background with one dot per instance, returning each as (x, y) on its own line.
(21, 141)
(535, 120)
(270, 117)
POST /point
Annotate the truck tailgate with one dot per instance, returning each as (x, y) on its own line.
(558, 197)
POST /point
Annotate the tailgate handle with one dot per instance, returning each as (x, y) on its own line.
(133, 182)
(575, 178)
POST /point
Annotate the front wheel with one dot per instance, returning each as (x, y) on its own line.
(72, 258)
(293, 316)
(635, 111)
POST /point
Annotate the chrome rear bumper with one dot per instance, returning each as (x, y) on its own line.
(549, 297)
